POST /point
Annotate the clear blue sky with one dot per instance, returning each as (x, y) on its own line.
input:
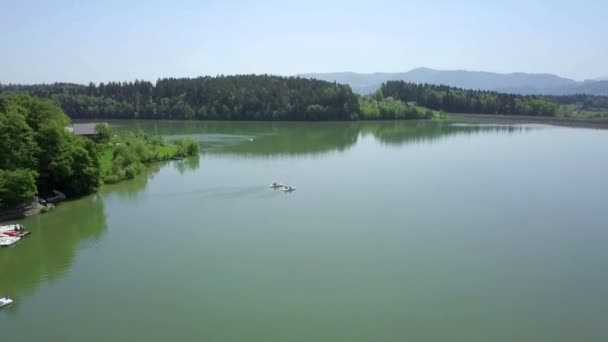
(81, 41)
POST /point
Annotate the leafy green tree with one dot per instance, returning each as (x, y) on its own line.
(104, 133)
(17, 186)
(19, 148)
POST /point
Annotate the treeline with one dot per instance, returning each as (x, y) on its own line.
(456, 100)
(39, 154)
(243, 97)
(585, 102)
(378, 107)
(275, 98)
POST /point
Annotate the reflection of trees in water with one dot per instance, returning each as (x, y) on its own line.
(188, 164)
(56, 236)
(50, 250)
(399, 133)
(293, 139)
(132, 187)
(298, 139)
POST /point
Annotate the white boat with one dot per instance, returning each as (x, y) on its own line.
(6, 241)
(10, 227)
(5, 302)
(276, 185)
(288, 188)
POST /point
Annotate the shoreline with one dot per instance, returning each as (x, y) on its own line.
(523, 119)
(481, 118)
(21, 211)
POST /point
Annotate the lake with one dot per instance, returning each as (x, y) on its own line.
(419, 231)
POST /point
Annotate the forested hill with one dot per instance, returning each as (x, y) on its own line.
(243, 97)
(456, 100)
(274, 98)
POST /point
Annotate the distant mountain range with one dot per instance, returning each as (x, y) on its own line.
(518, 83)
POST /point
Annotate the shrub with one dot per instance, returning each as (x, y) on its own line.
(187, 147)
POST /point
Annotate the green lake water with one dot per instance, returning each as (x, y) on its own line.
(398, 231)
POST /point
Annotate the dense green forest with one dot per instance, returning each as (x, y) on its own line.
(275, 98)
(456, 100)
(246, 97)
(39, 154)
(378, 107)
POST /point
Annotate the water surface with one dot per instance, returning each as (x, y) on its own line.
(398, 231)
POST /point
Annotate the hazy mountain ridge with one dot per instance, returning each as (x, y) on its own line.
(518, 82)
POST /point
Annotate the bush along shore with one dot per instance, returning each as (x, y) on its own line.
(40, 155)
(125, 155)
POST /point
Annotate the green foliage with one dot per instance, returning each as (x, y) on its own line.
(127, 154)
(104, 133)
(17, 186)
(377, 107)
(242, 97)
(458, 100)
(186, 147)
(579, 111)
(263, 97)
(19, 149)
(37, 112)
(40, 154)
(73, 164)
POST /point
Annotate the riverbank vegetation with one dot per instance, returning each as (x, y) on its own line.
(456, 100)
(123, 156)
(39, 154)
(378, 107)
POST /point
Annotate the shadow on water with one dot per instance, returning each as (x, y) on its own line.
(57, 237)
(292, 139)
(50, 250)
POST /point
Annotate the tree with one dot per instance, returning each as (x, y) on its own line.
(19, 148)
(17, 186)
(104, 133)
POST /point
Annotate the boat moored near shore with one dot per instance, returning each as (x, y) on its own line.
(12, 231)
(6, 241)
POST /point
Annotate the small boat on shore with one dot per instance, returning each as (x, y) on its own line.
(6, 241)
(288, 188)
(5, 301)
(276, 185)
(13, 230)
